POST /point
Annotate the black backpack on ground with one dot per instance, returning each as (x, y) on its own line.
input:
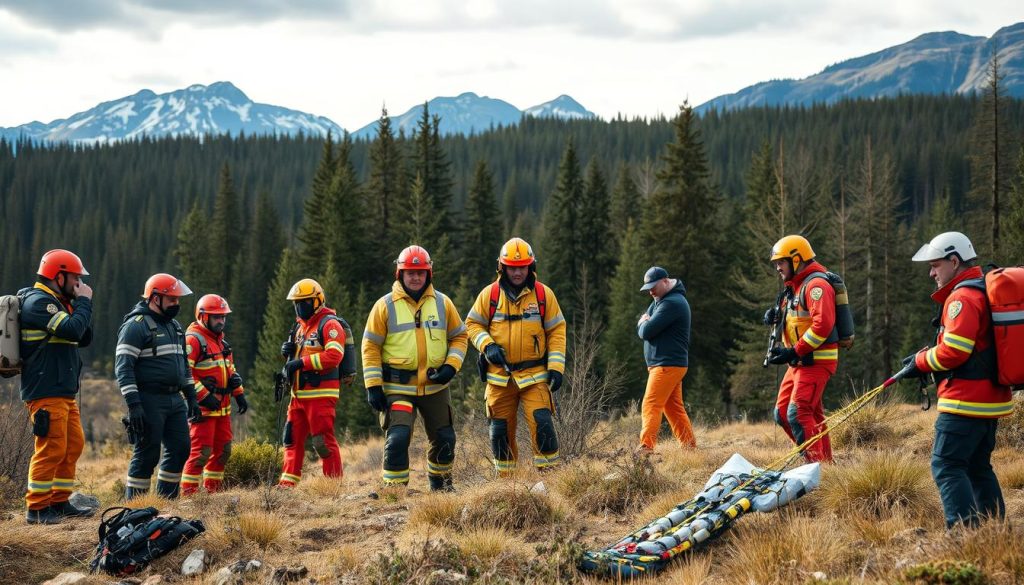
(131, 538)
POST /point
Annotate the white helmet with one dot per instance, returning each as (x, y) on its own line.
(945, 244)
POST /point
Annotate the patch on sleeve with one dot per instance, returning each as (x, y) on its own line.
(52, 309)
(333, 333)
(954, 309)
(816, 293)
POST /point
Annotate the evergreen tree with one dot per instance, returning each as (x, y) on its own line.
(317, 212)
(198, 265)
(348, 235)
(625, 204)
(386, 190)
(1013, 243)
(560, 245)
(682, 232)
(621, 344)
(593, 250)
(483, 234)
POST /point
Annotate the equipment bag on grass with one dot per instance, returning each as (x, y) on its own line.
(131, 538)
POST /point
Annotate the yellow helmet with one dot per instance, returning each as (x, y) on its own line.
(516, 252)
(307, 288)
(794, 247)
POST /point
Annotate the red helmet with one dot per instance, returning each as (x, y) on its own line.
(211, 305)
(167, 285)
(414, 258)
(516, 252)
(56, 261)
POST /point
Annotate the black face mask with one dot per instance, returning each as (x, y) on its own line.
(217, 327)
(304, 309)
(169, 312)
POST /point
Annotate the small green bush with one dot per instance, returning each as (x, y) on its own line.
(945, 573)
(252, 464)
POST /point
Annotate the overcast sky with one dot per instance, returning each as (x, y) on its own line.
(345, 58)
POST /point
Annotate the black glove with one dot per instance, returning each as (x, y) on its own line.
(243, 404)
(554, 380)
(769, 316)
(210, 402)
(192, 408)
(914, 372)
(376, 399)
(234, 381)
(291, 367)
(137, 419)
(495, 355)
(288, 349)
(783, 355)
(442, 375)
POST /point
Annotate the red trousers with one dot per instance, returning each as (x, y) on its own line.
(51, 471)
(798, 408)
(211, 447)
(310, 417)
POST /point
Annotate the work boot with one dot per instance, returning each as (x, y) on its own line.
(46, 515)
(441, 483)
(67, 509)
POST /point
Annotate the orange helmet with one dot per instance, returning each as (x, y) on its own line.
(516, 252)
(56, 261)
(414, 258)
(796, 248)
(211, 305)
(167, 285)
(307, 288)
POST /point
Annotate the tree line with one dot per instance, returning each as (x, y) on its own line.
(704, 196)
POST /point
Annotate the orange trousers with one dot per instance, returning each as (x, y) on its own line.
(664, 395)
(51, 472)
(798, 408)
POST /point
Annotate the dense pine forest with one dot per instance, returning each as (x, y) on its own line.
(866, 181)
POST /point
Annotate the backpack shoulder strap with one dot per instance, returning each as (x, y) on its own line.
(320, 326)
(151, 325)
(203, 352)
(542, 300)
(495, 296)
(975, 283)
(799, 299)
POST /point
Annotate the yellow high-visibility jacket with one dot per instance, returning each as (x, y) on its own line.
(517, 328)
(411, 337)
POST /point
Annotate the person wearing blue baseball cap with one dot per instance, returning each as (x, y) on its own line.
(665, 329)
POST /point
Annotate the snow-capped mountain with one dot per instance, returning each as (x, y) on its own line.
(469, 113)
(933, 63)
(563, 107)
(218, 108)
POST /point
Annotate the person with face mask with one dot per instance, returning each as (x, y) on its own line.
(413, 345)
(321, 355)
(55, 322)
(519, 329)
(216, 382)
(153, 374)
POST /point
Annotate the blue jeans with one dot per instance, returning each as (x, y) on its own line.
(962, 468)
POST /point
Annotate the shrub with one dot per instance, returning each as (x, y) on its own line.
(617, 488)
(875, 424)
(878, 485)
(510, 506)
(252, 463)
(945, 573)
(16, 438)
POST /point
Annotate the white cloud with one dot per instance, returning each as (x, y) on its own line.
(341, 60)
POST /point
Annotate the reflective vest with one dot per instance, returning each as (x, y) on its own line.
(210, 357)
(320, 376)
(814, 342)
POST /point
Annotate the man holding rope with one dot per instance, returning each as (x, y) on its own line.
(971, 401)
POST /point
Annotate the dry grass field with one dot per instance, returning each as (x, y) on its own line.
(875, 519)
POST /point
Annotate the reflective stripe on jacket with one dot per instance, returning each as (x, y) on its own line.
(517, 328)
(966, 330)
(810, 326)
(214, 365)
(320, 376)
(412, 336)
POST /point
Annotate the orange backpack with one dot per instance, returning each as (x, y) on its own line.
(1004, 288)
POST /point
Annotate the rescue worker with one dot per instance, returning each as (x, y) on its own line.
(665, 329)
(810, 344)
(318, 343)
(963, 364)
(55, 322)
(413, 345)
(518, 327)
(216, 382)
(153, 375)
